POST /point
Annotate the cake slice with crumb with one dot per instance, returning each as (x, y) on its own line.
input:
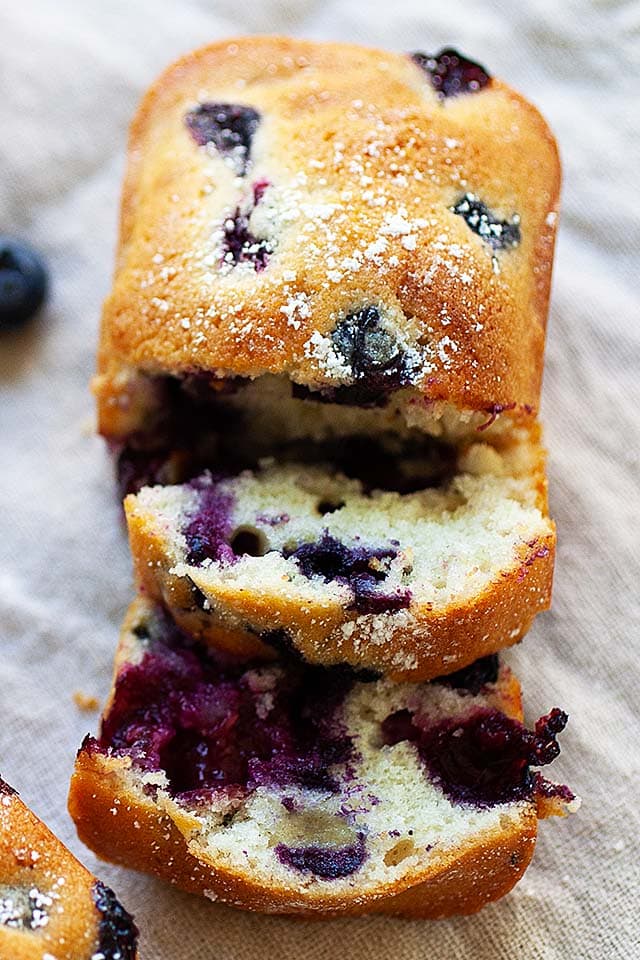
(290, 788)
(413, 581)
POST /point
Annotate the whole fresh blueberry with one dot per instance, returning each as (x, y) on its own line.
(23, 282)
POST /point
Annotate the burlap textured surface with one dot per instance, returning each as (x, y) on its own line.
(70, 76)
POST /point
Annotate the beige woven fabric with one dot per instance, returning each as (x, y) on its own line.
(70, 76)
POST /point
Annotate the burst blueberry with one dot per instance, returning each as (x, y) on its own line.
(209, 529)
(484, 758)
(375, 358)
(451, 73)
(184, 710)
(230, 127)
(362, 569)
(23, 283)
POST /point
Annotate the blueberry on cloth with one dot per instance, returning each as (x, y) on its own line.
(451, 73)
(23, 282)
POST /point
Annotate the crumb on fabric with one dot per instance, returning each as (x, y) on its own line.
(85, 701)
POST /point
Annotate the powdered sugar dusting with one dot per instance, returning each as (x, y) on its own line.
(361, 212)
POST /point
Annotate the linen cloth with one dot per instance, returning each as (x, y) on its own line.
(70, 76)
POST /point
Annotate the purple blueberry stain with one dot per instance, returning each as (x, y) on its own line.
(362, 569)
(209, 528)
(485, 758)
(240, 245)
(499, 234)
(214, 725)
(451, 73)
(325, 862)
(229, 127)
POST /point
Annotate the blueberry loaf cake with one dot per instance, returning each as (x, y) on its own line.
(367, 227)
(51, 907)
(303, 789)
(300, 557)
(331, 294)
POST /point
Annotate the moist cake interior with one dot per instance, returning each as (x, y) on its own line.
(315, 774)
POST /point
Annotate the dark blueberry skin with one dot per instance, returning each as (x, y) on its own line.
(475, 677)
(377, 361)
(332, 560)
(327, 863)
(7, 789)
(241, 246)
(451, 73)
(499, 234)
(201, 720)
(117, 933)
(23, 283)
(485, 758)
(230, 127)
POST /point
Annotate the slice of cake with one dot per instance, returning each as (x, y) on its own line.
(414, 578)
(50, 905)
(301, 789)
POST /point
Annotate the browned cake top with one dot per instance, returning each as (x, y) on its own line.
(327, 212)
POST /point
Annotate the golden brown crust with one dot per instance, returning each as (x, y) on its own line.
(143, 839)
(371, 140)
(32, 858)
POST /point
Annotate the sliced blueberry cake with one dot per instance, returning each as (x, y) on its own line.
(374, 229)
(303, 789)
(51, 907)
(410, 565)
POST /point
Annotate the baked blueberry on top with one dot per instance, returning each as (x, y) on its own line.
(229, 127)
(451, 73)
(118, 934)
(479, 218)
